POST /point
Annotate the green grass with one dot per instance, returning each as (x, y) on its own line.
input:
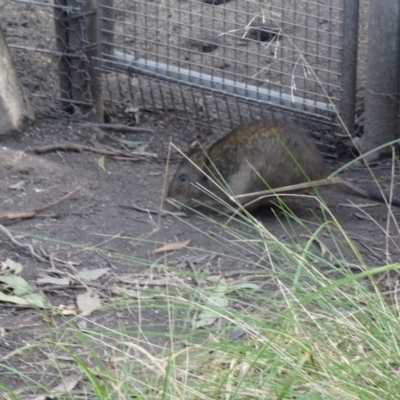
(305, 326)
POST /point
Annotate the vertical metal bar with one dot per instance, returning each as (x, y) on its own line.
(106, 12)
(381, 98)
(90, 48)
(78, 35)
(63, 66)
(349, 62)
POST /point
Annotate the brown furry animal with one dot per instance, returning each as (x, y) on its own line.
(254, 158)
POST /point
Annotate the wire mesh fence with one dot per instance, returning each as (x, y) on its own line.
(284, 54)
(218, 62)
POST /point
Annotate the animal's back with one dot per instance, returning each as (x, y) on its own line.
(250, 159)
(278, 152)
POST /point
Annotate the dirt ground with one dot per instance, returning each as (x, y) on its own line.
(97, 212)
(99, 228)
(94, 228)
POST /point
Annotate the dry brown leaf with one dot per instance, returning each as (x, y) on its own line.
(172, 246)
(69, 312)
(88, 302)
(69, 309)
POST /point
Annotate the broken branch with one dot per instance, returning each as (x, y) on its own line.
(32, 213)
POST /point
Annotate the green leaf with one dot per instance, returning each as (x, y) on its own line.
(101, 163)
(23, 293)
(14, 266)
(19, 285)
(209, 316)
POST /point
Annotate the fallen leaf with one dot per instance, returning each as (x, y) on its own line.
(92, 274)
(209, 316)
(68, 384)
(17, 284)
(14, 266)
(359, 205)
(172, 246)
(82, 324)
(142, 148)
(362, 216)
(217, 300)
(53, 281)
(69, 309)
(237, 332)
(101, 163)
(247, 285)
(31, 299)
(16, 186)
(97, 144)
(132, 143)
(88, 302)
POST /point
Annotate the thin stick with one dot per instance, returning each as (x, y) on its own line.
(160, 212)
(119, 127)
(32, 213)
(80, 148)
(19, 244)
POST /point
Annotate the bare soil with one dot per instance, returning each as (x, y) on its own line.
(96, 229)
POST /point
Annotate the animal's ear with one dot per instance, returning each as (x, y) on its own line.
(196, 153)
(195, 145)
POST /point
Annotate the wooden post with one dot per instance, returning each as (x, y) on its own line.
(78, 42)
(14, 106)
(382, 87)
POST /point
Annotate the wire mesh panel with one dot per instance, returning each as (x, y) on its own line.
(216, 62)
(280, 54)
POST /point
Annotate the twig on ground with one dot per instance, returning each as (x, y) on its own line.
(19, 244)
(150, 281)
(163, 213)
(80, 148)
(95, 246)
(369, 249)
(68, 264)
(32, 213)
(193, 268)
(119, 127)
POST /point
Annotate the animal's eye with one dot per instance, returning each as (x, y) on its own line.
(183, 178)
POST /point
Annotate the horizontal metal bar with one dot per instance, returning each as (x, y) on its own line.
(52, 52)
(237, 62)
(213, 19)
(144, 66)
